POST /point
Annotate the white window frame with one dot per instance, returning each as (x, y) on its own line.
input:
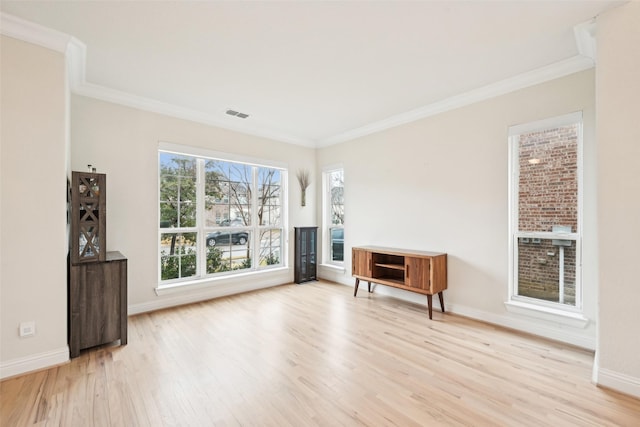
(517, 302)
(201, 230)
(327, 214)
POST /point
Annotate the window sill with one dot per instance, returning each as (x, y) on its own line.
(575, 320)
(208, 282)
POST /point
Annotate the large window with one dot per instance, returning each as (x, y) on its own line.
(217, 217)
(334, 215)
(546, 212)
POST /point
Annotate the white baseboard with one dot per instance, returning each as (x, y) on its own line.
(187, 296)
(567, 335)
(619, 382)
(34, 362)
(573, 336)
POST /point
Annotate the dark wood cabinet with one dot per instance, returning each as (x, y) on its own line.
(97, 303)
(305, 267)
(97, 279)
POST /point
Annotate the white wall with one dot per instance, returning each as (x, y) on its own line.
(449, 170)
(123, 142)
(618, 95)
(33, 244)
(441, 184)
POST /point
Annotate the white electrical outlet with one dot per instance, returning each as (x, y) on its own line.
(27, 329)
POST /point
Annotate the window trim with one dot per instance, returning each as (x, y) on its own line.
(202, 230)
(326, 217)
(218, 155)
(528, 303)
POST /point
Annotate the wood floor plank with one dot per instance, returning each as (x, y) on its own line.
(313, 355)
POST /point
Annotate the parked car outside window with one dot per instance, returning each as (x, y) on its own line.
(224, 237)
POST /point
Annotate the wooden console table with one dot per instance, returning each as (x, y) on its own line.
(415, 271)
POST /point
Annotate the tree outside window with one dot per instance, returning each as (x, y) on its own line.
(210, 210)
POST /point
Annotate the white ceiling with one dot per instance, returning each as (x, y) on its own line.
(311, 72)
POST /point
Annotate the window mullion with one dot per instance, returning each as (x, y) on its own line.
(201, 257)
(255, 240)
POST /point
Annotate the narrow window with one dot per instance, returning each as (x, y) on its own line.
(546, 212)
(333, 202)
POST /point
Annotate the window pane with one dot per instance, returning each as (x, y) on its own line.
(228, 250)
(177, 255)
(336, 183)
(177, 190)
(227, 193)
(269, 196)
(337, 244)
(547, 269)
(270, 247)
(548, 180)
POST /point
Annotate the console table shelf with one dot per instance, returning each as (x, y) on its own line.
(391, 266)
(416, 271)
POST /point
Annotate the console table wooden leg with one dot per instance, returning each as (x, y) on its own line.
(369, 285)
(355, 291)
(441, 300)
(429, 298)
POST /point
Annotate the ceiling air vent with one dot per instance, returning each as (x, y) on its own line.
(237, 114)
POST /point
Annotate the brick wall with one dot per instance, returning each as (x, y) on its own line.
(548, 193)
(548, 196)
(539, 269)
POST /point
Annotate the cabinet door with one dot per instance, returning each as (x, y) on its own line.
(311, 251)
(97, 303)
(361, 262)
(99, 298)
(416, 272)
(305, 254)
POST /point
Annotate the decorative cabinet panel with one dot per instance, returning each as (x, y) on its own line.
(97, 303)
(305, 257)
(88, 217)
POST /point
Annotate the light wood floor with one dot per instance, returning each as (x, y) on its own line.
(307, 355)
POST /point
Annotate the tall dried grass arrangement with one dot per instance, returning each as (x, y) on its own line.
(304, 179)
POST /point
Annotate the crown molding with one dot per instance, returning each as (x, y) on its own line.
(76, 62)
(550, 72)
(18, 28)
(585, 41)
(147, 104)
(585, 35)
(75, 52)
